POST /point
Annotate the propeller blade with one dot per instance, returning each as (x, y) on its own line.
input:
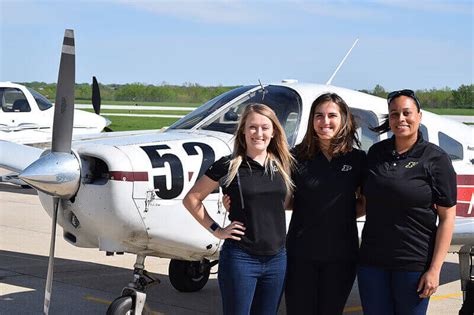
(96, 102)
(64, 106)
(49, 277)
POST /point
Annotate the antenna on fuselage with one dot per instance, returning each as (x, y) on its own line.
(262, 88)
(342, 61)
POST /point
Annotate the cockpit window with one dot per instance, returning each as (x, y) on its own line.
(285, 102)
(196, 116)
(43, 102)
(451, 146)
(13, 100)
(364, 120)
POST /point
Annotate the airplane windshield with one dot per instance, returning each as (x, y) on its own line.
(43, 102)
(203, 111)
(284, 101)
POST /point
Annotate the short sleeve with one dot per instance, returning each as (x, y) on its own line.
(218, 169)
(443, 179)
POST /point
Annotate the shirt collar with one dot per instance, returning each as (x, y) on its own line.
(415, 151)
(251, 162)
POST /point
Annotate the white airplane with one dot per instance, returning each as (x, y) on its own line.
(27, 116)
(123, 192)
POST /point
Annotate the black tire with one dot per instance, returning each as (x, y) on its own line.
(121, 306)
(188, 276)
(468, 304)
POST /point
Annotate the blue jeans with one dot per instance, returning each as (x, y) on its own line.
(390, 292)
(314, 287)
(250, 284)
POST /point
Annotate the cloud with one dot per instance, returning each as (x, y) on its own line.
(207, 11)
(458, 7)
(241, 12)
(339, 9)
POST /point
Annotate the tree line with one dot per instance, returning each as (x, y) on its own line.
(462, 97)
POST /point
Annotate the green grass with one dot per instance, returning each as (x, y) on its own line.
(168, 104)
(452, 111)
(120, 123)
(125, 111)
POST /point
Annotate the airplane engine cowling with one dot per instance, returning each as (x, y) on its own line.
(103, 213)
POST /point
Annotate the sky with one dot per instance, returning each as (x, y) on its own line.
(402, 44)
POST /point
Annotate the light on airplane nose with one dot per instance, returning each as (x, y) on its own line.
(74, 220)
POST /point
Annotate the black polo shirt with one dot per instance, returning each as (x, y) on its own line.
(323, 225)
(401, 191)
(263, 211)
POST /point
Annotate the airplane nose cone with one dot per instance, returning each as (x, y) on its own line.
(56, 174)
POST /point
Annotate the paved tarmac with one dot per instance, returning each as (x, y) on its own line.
(86, 281)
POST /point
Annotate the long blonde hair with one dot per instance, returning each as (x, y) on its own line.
(278, 154)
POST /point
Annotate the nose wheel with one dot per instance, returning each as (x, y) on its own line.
(189, 276)
(132, 300)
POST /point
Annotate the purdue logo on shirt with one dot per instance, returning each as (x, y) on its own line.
(411, 164)
(346, 168)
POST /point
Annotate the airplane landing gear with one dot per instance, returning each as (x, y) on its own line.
(189, 276)
(467, 279)
(132, 300)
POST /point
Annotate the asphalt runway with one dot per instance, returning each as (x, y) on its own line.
(86, 280)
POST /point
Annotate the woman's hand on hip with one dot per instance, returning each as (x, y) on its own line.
(233, 231)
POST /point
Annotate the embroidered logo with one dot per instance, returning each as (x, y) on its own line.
(346, 168)
(411, 164)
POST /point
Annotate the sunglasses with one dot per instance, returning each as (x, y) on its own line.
(405, 92)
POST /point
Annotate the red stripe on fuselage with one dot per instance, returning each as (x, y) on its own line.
(129, 176)
(465, 180)
(464, 210)
(465, 193)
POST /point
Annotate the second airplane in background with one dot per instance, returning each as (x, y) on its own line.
(26, 116)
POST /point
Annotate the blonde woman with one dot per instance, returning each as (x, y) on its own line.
(252, 262)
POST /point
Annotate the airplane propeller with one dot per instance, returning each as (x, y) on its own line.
(96, 99)
(96, 96)
(57, 173)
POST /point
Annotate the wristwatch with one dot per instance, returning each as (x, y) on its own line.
(214, 226)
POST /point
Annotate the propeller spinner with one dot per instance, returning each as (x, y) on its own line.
(57, 173)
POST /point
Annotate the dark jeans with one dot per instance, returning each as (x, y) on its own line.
(316, 287)
(390, 292)
(250, 284)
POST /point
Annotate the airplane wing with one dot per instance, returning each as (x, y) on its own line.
(16, 157)
(463, 232)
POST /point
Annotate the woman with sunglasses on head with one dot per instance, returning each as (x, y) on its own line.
(322, 240)
(256, 176)
(410, 185)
